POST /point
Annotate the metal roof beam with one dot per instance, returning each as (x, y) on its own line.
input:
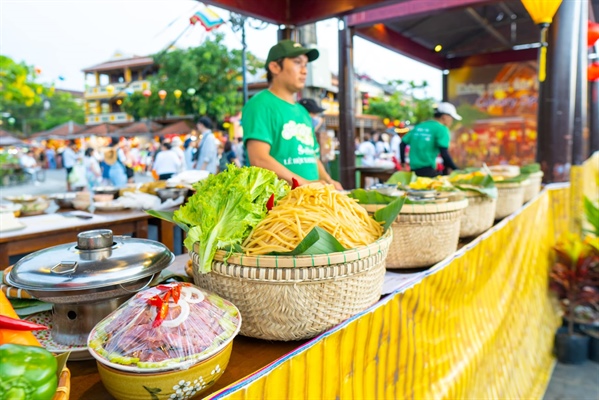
(388, 38)
(409, 9)
(500, 57)
(487, 25)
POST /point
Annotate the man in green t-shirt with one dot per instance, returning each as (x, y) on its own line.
(429, 139)
(277, 131)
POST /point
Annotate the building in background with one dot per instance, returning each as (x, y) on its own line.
(113, 81)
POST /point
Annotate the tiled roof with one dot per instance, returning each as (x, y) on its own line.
(99, 130)
(138, 61)
(178, 128)
(63, 130)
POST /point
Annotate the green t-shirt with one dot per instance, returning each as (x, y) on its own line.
(425, 140)
(287, 128)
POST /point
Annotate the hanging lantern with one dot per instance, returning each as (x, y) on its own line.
(177, 93)
(38, 70)
(386, 121)
(191, 91)
(593, 72)
(542, 12)
(147, 93)
(593, 34)
(129, 92)
(162, 94)
(110, 89)
(396, 122)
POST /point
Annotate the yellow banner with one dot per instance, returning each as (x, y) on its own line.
(480, 326)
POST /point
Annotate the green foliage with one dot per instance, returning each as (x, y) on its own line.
(211, 69)
(591, 212)
(23, 98)
(402, 104)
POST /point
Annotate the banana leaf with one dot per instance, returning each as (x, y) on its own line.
(401, 178)
(25, 307)
(530, 168)
(516, 179)
(388, 214)
(370, 196)
(317, 241)
(484, 185)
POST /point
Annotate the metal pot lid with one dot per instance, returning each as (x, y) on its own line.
(96, 260)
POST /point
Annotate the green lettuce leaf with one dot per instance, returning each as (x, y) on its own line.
(225, 208)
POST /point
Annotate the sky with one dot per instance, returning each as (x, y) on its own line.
(62, 37)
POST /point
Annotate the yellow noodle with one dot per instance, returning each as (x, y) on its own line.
(306, 207)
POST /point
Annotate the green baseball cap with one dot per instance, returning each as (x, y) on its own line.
(290, 49)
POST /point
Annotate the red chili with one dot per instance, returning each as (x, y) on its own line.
(176, 293)
(271, 202)
(14, 324)
(155, 301)
(162, 312)
(294, 183)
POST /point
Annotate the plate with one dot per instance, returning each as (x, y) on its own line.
(108, 206)
(16, 225)
(45, 338)
(26, 198)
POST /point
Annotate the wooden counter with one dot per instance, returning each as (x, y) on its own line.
(248, 356)
(46, 230)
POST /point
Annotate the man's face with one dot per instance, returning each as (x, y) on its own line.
(447, 120)
(293, 73)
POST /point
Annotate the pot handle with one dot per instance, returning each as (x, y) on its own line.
(141, 288)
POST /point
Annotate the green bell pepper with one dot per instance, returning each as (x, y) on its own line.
(27, 373)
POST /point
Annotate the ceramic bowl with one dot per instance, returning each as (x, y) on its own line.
(103, 198)
(175, 384)
(171, 193)
(35, 207)
(81, 204)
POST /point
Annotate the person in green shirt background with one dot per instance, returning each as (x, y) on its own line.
(429, 139)
(277, 131)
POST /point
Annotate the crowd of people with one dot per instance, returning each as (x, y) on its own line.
(113, 161)
(279, 133)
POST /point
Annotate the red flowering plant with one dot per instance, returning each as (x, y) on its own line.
(574, 277)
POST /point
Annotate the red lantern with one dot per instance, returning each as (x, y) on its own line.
(593, 34)
(147, 93)
(593, 72)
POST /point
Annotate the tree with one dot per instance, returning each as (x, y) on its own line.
(209, 77)
(34, 106)
(403, 105)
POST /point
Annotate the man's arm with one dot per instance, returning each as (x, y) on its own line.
(324, 176)
(447, 161)
(259, 155)
(402, 152)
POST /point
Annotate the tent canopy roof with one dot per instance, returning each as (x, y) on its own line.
(471, 32)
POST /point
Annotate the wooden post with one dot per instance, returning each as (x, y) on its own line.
(593, 117)
(580, 134)
(347, 158)
(557, 95)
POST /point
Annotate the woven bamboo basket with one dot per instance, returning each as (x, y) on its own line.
(423, 234)
(63, 390)
(293, 298)
(534, 187)
(478, 216)
(510, 197)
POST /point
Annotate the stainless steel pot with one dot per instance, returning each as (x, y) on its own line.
(89, 279)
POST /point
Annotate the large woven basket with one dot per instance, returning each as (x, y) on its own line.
(534, 187)
(293, 298)
(63, 390)
(478, 216)
(510, 197)
(423, 234)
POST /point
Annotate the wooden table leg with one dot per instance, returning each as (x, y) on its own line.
(3, 256)
(141, 229)
(166, 234)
